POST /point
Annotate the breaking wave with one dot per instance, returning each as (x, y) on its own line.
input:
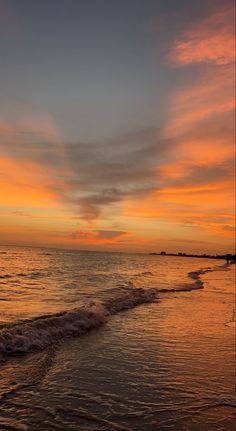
(41, 332)
(143, 274)
(130, 300)
(188, 287)
(11, 424)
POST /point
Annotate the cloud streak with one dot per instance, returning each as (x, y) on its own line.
(210, 41)
(92, 176)
(196, 184)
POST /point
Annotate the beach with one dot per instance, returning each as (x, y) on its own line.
(109, 341)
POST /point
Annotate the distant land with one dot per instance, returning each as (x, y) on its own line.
(230, 258)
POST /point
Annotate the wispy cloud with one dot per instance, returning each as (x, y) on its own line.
(209, 41)
(196, 183)
(91, 176)
(96, 237)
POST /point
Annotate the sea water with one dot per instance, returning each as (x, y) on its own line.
(112, 341)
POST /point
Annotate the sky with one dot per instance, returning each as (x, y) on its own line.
(117, 124)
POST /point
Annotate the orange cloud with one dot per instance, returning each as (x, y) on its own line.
(211, 41)
(209, 98)
(101, 236)
(211, 95)
(198, 184)
(25, 184)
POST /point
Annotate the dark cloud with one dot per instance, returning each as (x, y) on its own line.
(96, 235)
(112, 171)
(22, 214)
(94, 175)
(229, 228)
(78, 235)
(199, 175)
(109, 234)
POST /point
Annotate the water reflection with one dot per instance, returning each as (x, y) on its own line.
(163, 366)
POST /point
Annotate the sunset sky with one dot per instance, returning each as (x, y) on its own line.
(117, 124)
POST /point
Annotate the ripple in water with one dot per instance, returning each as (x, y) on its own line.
(160, 354)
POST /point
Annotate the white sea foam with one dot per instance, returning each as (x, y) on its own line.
(41, 332)
(131, 299)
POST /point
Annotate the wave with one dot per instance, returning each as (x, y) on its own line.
(194, 275)
(232, 321)
(20, 274)
(35, 274)
(131, 299)
(32, 275)
(11, 424)
(183, 288)
(143, 274)
(41, 332)
(46, 254)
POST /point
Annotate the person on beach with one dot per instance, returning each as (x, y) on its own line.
(228, 257)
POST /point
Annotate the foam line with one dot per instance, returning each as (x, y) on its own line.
(41, 332)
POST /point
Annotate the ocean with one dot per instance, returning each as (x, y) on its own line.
(114, 341)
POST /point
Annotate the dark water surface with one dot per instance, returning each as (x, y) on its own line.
(167, 364)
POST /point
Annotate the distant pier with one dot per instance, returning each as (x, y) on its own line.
(230, 258)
